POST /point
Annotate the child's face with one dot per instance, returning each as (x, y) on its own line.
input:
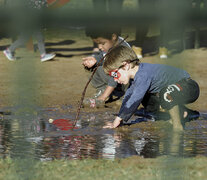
(120, 75)
(104, 44)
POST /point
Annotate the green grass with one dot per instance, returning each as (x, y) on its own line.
(130, 168)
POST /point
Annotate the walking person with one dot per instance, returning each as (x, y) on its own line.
(29, 18)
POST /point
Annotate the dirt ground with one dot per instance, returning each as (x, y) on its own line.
(61, 81)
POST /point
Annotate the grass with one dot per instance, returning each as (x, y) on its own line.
(130, 168)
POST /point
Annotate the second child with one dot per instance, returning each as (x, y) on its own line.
(104, 84)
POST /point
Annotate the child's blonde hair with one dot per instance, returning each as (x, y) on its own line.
(117, 56)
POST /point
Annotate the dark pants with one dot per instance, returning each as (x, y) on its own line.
(172, 17)
(183, 92)
(114, 8)
(151, 102)
(145, 6)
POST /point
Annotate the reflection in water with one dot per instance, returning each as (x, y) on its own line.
(121, 145)
(45, 141)
(175, 147)
(109, 148)
(195, 139)
(5, 129)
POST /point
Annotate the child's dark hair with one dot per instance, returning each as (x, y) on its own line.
(101, 31)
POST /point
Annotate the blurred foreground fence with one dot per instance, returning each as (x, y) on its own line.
(172, 14)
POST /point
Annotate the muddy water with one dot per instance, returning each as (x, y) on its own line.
(30, 134)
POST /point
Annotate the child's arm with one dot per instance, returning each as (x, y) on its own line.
(131, 102)
(106, 93)
(115, 124)
(89, 61)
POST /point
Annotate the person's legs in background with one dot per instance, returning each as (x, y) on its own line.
(172, 25)
(21, 41)
(10, 51)
(99, 6)
(41, 46)
(40, 41)
(145, 6)
(115, 7)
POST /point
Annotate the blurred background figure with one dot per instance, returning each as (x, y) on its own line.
(172, 25)
(107, 7)
(145, 7)
(27, 19)
(199, 6)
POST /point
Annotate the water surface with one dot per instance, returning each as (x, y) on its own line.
(29, 134)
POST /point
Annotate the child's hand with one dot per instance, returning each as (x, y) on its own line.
(115, 124)
(89, 61)
(109, 125)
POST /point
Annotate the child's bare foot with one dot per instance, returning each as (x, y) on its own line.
(185, 114)
(189, 114)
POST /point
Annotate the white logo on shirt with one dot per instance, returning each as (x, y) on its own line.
(171, 88)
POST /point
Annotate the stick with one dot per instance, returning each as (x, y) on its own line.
(84, 91)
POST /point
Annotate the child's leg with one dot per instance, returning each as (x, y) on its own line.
(100, 80)
(175, 116)
(183, 92)
(104, 86)
(40, 41)
(23, 38)
(151, 102)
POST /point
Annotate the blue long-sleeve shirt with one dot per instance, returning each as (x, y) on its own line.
(150, 78)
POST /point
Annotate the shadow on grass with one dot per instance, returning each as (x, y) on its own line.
(150, 46)
(71, 55)
(64, 42)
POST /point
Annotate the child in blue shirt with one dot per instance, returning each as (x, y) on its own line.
(173, 87)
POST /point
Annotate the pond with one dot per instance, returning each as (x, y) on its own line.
(27, 132)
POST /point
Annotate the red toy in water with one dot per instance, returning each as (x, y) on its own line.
(57, 3)
(62, 124)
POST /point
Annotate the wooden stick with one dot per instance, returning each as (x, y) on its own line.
(84, 91)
